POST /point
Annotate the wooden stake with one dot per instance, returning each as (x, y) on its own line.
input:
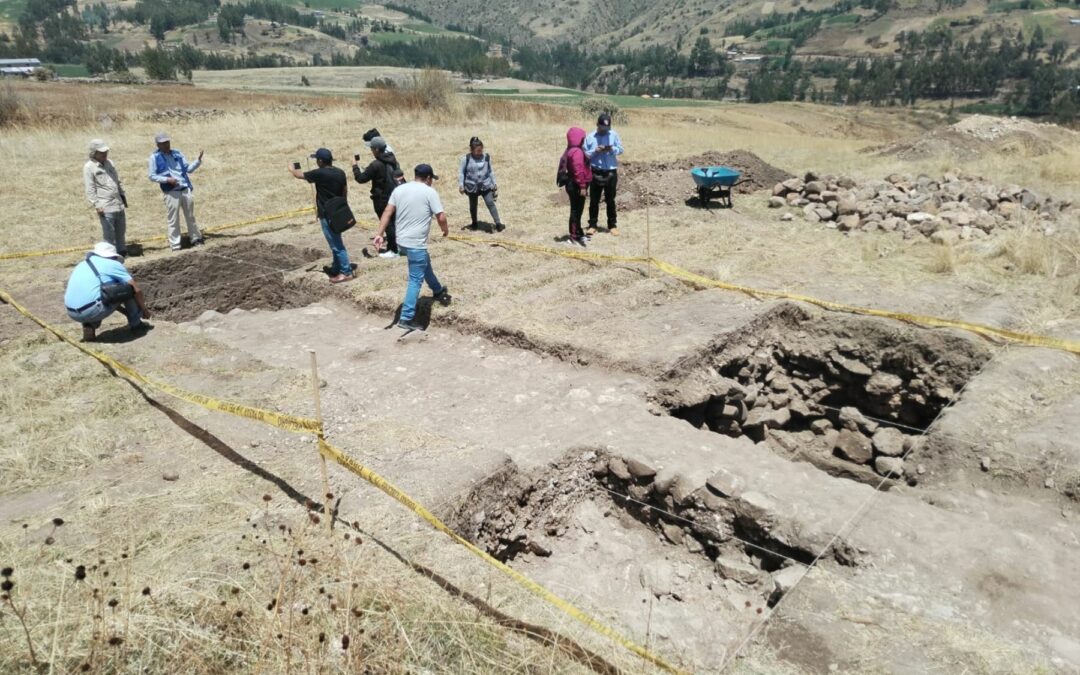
(648, 240)
(327, 495)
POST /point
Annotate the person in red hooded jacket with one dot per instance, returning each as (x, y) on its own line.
(574, 168)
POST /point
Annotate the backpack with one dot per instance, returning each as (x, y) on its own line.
(562, 178)
(487, 172)
(388, 172)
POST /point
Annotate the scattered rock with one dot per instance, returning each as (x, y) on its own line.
(889, 441)
(854, 447)
(889, 466)
(724, 484)
(784, 580)
(984, 463)
(736, 570)
(617, 467)
(639, 469)
(170, 476)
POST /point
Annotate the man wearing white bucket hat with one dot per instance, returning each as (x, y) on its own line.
(100, 285)
(106, 194)
(169, 169)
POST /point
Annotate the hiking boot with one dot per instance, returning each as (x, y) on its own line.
(590, 230)
(141, 329)
(443, 297)
(198, 242)
(499, 227)
(88, 333)
(409, 325)
(341, 278)
(471, 228)
(613, 231)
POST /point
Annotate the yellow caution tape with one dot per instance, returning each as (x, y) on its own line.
(308, 425)
(335, 454)
(700, 280)
(209, 230)
(279, 420)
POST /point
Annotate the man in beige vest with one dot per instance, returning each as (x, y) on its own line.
(105, 193)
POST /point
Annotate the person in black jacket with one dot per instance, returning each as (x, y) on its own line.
(380, 173)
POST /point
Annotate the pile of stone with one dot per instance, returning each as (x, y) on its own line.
(183, 114)
(946, 210)
(791, 409)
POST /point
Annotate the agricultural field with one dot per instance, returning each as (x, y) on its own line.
(669, 429)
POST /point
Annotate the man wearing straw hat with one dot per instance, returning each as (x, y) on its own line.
(169, 169)
(106, 194)
(98, 286)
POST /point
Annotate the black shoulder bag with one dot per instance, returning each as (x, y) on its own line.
(339, 215)
(112, 293)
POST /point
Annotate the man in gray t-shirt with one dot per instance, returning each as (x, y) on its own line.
(413, 206)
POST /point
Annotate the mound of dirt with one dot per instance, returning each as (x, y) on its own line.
(666, 183)
(247, 274)
(978, 134)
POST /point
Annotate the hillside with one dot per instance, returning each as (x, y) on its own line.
(848, 28)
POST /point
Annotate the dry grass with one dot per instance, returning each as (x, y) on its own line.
(188, 544)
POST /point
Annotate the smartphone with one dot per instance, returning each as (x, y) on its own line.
(296, 165)
(356, 157)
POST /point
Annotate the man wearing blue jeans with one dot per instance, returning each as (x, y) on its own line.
(83, 298)
(413, 206)
(329, 182)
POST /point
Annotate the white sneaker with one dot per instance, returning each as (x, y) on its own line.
(388, 254)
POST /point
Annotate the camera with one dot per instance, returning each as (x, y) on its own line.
(296, 165)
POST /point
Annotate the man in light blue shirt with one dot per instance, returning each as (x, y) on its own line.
(85, 301)
(169, 169)
(603, 147)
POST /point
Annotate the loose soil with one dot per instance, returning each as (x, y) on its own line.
(246, 274)
(669, 183)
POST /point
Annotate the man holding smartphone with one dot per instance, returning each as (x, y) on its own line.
(602, 148)
(330, 182)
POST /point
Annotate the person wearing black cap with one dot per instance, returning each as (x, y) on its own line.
(603, 147)
(329, 182)
(380, 173)
(477, 179)
(415, 205)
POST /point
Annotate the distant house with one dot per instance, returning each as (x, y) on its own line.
(18, 67)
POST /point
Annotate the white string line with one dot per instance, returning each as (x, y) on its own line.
(738, 539)
(939, 434)
(854, 516)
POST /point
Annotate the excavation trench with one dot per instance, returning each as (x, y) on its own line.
(851, 395)
(585, 506)
(248, 274)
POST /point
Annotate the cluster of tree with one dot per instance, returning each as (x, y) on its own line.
(639, 70)
(1028, 73)
(803, 24)
(408, 11)
(165, 15)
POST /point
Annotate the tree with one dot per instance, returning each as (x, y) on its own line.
(158, 64)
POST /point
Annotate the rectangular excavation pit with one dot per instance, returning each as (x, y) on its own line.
(851, 395)
(679, 563)
(246, 274)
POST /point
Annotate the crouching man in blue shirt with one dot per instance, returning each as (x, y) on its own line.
(100, 285)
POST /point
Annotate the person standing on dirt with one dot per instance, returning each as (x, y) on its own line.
(414, 205)
(575, 176)
(380, 173)
(330, 182)
(603, 147)
(476, 178)
(105, 193)
(98, 286)
(170, 170)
